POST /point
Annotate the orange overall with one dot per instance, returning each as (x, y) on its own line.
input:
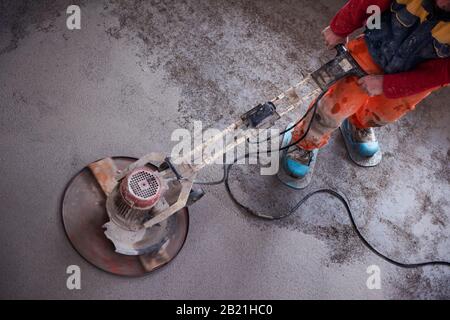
(346, 99)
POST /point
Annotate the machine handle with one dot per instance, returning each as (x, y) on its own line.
(340, 48)
(358, 71)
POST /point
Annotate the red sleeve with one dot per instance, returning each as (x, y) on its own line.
(427, 75)
(353, 15)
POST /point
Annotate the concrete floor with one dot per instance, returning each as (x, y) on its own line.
(138, 70)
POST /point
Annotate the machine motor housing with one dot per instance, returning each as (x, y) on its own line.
(131, 203)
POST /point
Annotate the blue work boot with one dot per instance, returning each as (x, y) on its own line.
(362, 145)
(363, 141)
(296, 164)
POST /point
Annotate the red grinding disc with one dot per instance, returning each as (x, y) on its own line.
(84, 214)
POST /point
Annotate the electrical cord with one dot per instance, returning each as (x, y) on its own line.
(215, 183)
(285, 130)
(346, 205)
(335, 194)
(313, 108)
(225, 169)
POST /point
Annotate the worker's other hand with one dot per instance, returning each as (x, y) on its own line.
(373, 85)
(331, 38)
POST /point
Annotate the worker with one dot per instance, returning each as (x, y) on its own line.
(406, 59)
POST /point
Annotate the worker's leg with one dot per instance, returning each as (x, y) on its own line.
(343, 100)
(340, 102)
(379, 110)
(358, 131)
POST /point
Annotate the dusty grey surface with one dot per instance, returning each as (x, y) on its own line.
(138, 70)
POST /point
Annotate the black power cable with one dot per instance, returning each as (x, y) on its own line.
(335, 194)
(342, 199)
(313, 109)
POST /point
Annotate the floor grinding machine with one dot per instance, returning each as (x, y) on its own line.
(129, 216)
